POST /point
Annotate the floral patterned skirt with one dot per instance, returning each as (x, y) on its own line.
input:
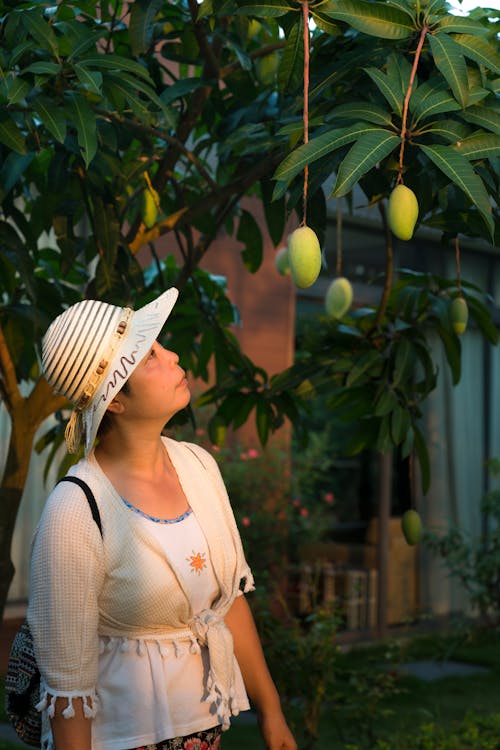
(206, 740)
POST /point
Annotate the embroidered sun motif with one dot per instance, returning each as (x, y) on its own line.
(197, 562)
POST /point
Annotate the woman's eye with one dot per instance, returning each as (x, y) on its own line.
(152, 353)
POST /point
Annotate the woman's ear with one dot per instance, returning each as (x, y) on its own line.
(116, 406)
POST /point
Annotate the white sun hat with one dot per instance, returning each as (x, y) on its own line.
(90, 351)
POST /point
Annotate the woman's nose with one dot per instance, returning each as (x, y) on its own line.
(172, 356)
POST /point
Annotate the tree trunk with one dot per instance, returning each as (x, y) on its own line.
(26, 414)
(11, 492)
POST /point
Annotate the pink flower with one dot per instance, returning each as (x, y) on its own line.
(244, 456)
(195, 744)
(253, 453)
(200, 431)
(296, 503)
(329, 497)
(215, 448)
(304, 512)
(246, 521)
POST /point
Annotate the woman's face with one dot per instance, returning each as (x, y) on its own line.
(158, 385)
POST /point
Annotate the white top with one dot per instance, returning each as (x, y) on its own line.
(149, 682)
(125, 587)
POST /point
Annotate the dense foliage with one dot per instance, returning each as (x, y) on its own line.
(122, 123)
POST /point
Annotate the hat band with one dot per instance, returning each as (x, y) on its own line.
(98, 374)
(74, 428)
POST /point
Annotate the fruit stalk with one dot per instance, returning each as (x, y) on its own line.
(305, 17)
(389, 269)
(407, 101)
(339, 237)
(457, 260)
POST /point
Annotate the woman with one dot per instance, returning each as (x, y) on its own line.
(143, 636)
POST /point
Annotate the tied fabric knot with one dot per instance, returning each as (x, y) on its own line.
(211, 631)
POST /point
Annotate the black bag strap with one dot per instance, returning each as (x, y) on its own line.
(90, 497)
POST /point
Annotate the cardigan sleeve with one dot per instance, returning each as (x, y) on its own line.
(66, 575)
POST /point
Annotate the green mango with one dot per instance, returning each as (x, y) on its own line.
(217, 431)
(411, 526)
(338, 297)
(402, 212)
(282, 262)
(304, 255)
(459, 315)
(150, 206)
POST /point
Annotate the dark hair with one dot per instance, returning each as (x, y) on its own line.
(107, 418)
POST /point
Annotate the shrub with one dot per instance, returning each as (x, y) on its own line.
(476, 562)
(473, 733)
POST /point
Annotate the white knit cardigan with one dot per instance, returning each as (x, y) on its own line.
(123, 585)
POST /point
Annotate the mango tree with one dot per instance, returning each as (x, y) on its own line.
(124, 122)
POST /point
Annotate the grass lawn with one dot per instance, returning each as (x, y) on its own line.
(398, 717)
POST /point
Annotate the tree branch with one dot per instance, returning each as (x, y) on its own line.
(223, 195)
(10, 387)
(389, 268)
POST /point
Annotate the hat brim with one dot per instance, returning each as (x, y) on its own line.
(142, 331)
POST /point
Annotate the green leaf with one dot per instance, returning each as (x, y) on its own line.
(13, 168)
(40, 30)
(451, 64)
(10, 135)
(78, 37)
(487, 117)
(116, 63)
(400, 424)
(114, 85)
(366, 152)
(44, 67)
(130, 86)
(461, 25)
(458, 169)
(480, 51)
(52, 117)
(275, 212)
(451, 130)
(389, 88)
(180, 89)
(494, 85)
(402, 360)
(428, 101)
(325, 24)
(435, 8)
(291, 66)
(482, 146)
(142, 14)
(318, 147)
(249, 234)
(384, 441)
(482, 316)
(90, 79)
(364, 363)
(107, 229)
(386, 402)
(452, 349)
(85, 123)
(423, 459)
(405, 6)
(364, 111)
(398, 68)
(376, 19)
(263, 417)
(17, 89)
(269, 9)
